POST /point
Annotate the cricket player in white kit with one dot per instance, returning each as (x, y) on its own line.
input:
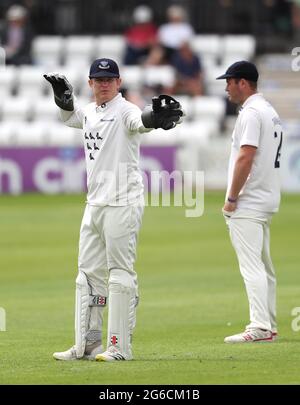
(253, 196)
(112, 129)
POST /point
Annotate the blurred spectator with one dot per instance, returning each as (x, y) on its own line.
(188, 71)
(156, 56)
(134, 97)
(176, 31)
(16, 36)
(141, 37)
(296, 18)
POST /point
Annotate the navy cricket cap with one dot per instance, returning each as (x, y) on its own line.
(241, 70)
(104, 68)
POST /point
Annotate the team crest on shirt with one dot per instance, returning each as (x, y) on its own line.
(93, 143)
(104, 65)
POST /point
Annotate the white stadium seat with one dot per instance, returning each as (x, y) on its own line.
(7, 80)
(8, 133)
(215, 87)
(237, 47)
(208, 108)
(110, 46)
(31, 82)
(48, 50)
(16, 109)
(131, 77)
(79, 50)
(197, 131)
(193, 137)
(61, 135)
(45, 109)
(33, 134)
(160, 137)
(186, 103)
(208, 48)
(159, 75)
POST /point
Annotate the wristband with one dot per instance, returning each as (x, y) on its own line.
(231, 200)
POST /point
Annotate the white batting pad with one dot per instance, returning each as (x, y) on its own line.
(88, 315)
(81, 313)
(121, 313)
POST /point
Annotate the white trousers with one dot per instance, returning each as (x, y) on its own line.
(250, 236)
(108, 239)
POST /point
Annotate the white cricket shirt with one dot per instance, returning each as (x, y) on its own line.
(258, 124)
(111, 135)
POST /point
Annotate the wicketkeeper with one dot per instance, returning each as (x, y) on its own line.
(112, 129)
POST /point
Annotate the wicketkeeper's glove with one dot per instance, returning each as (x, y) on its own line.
(63, 91)
(165, 113)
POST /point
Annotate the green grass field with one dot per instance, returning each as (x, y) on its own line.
(191, 291)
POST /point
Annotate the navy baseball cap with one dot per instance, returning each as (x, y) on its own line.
(241, 70)
(104, 68)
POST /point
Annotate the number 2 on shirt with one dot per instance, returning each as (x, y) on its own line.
(278, 154)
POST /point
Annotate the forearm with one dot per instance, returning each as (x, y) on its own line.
(241, 172)
(65, 115)
(136, 126)
(73, 118)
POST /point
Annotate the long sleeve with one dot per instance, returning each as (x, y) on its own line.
(132, 120)
(74, 118)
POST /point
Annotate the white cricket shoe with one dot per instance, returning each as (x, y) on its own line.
(251, 335)
(70, 354)
(112, 354)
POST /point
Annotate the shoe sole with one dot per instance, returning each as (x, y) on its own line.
(100, 357)
(267, 340)
(85, 357)
(59, 359)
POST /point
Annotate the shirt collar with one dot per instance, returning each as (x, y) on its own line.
(251, 98)
(103, 106)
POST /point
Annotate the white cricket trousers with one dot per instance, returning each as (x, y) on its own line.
(108, 238)
(250, 236)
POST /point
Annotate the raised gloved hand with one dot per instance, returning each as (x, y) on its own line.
(63, 91)
(165, 113)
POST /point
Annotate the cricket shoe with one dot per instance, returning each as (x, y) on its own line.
(251, 335)
(112, 354)
(70, 354)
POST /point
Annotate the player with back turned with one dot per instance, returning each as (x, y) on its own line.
(253, 196)
(112, 129)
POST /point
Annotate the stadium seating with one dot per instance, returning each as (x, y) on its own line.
(7, 81)
(206, 107)
(79, 50)
(237, 47)
(16, 109)
(28, 107)
(208, 48)
(48, 51)
(30, 81)
(60, 135)
(132, 77)
(159, 75)
(110, 46)
(45, 109)
(32, 134)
